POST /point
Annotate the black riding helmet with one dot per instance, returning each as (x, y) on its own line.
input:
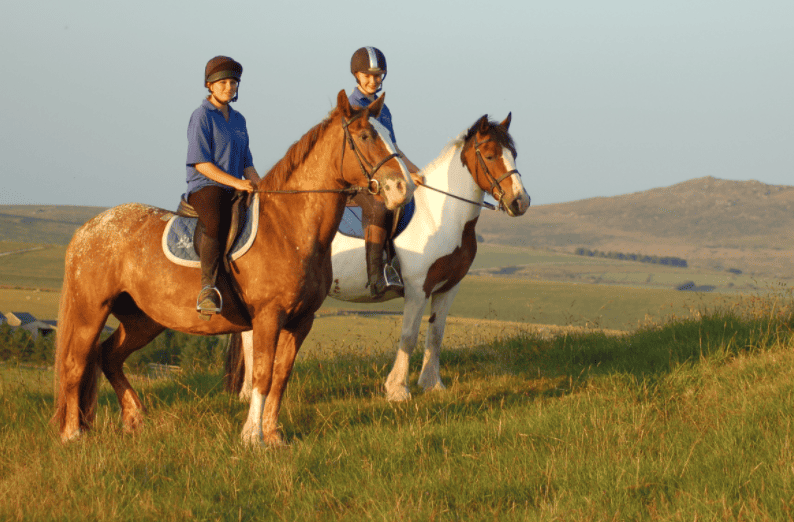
(368, 60)
(222, 67)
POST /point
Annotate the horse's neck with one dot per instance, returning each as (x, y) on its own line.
(448, 173)
(315, 210)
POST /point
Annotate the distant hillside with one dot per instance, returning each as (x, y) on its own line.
(715, 223)
(709, 222)
(43, 224)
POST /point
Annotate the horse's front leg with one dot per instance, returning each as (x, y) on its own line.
(396, 385)
(289, 342)
(247, 343)
(265, 334)
(430, 377)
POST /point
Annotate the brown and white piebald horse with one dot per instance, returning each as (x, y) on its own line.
(435, 251)
(115, 265)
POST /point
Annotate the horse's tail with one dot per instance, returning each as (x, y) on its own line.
(234, 375)
(89, 384)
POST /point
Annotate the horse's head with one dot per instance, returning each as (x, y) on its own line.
(374, 162)
(489, 154)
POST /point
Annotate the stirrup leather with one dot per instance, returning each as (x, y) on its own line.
(206, 294)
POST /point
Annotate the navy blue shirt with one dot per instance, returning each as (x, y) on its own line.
(359, 99)
(210, 138)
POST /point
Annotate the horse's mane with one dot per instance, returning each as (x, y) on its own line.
(296, 155)
(449, 148)
(498, 133)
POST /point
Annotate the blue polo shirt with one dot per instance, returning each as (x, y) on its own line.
(210, 138)
(359, 99)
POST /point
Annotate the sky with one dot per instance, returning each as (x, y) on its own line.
(607, 98)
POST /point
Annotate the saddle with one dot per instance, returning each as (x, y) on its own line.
(182, 239)
(183, 227)
(241, 201)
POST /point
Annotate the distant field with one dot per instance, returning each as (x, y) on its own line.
(33, 269)
(527, 300)
(43, 223)
(550, 266)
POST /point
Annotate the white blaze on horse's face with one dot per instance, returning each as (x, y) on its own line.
(520, 201)
(390, 185)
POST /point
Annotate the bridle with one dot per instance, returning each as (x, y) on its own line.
(370, 174)
(373, 186)
(495, 183)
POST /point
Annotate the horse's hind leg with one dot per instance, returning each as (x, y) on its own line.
(134, 331)
(76, 367)
(430, 376)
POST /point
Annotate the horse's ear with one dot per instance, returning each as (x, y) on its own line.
(343, 104)
(506, 123)
(482, 124)
(375, 107)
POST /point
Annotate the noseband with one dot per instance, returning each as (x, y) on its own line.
(494, 182)
(373, 186)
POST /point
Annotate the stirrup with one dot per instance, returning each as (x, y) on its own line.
(392, 277)
(206, 295)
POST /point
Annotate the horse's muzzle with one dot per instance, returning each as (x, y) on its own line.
(396, 190)
(518, 205)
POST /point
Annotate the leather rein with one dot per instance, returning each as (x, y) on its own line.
(491, 179)
(373, 186)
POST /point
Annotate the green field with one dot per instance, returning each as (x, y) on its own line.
(685, 415)
(39, 268)
(690, 420)
(32, 280)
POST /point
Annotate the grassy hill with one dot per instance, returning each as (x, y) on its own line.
(43, 223)
(713, 223)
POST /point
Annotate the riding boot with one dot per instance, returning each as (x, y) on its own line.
(380, 278)
(209, 299)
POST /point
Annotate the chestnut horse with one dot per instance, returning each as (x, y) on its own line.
(435, 250)
(115, 265)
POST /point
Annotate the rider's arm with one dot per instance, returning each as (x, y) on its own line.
(212, 171)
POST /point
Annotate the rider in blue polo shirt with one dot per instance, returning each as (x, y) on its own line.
(368, 65)
(218, 163)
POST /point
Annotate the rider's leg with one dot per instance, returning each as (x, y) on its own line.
(375, 222)
(213, 206)
(374, 240)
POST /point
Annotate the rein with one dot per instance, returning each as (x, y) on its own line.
(477, 203)
(373, 186)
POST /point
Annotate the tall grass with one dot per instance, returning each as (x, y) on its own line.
(687, 420)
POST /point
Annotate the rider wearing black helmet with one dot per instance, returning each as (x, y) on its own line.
(218, 163)
(368, 65)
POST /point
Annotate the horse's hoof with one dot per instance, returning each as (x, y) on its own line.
(71, 436)
(252, 439)
(398, 394)
(432, 385)
(275, 441)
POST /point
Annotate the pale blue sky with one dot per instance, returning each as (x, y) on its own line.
(608, 97)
